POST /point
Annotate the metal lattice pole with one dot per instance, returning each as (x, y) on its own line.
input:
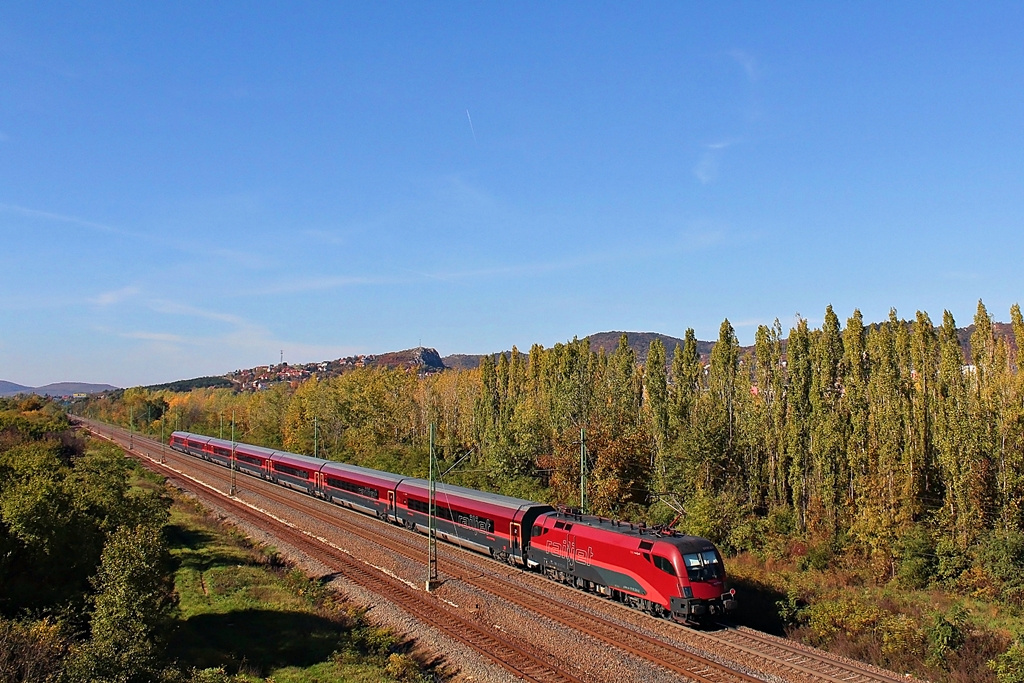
(431, 520)
(233, 491)
(583, 471)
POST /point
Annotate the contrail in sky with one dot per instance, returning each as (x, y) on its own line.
(473, 130)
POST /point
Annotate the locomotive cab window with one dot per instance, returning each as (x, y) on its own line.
(703, 566)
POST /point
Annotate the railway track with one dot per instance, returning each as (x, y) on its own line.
(516, 658)
(758, 652)
(805, 658)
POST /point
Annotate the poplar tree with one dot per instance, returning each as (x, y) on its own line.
(686, 378)
(855, 406)
(827, 430)
(924, 356)
(770, 406)
(954, 448)
(798, 417)
(656, 389)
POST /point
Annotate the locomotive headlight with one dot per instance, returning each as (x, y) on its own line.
(687, 592)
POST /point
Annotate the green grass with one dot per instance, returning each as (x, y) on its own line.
(241, 611)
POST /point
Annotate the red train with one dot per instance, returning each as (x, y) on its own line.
(661, 572)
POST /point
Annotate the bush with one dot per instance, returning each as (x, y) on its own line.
(818, 557)
(782, 521)
(403, 668)
(901, 636)
(214, 675)
(375, 640)
(915, 556)
(950, 562)
(847, 617)
(946, 634)
(748, 534)
(314, 591)
(1001, 556)
(30, 651)
(1009, 666)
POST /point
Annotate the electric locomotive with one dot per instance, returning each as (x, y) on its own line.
(661, 572)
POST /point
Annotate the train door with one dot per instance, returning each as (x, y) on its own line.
(391, 503)
(517, 549)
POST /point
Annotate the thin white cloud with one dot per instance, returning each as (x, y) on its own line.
(747, 62)
(155, 336)
(183, 246)
(723, 144)
(115, 296)
(60, 218)
(174, 308)
(706, 169)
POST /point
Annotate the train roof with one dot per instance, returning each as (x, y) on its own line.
(472, 494)
(248, 448)
(684, 542)
(193, 437)
(298, 459)
(335, 467)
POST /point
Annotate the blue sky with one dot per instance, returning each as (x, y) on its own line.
(191, 188)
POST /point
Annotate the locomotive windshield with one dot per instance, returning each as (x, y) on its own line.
(703, 566)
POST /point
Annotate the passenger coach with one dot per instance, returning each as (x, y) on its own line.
(360, 488)
(486, 522)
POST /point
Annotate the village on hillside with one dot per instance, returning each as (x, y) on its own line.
(423, 360)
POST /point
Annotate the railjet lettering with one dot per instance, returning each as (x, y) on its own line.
(568, 550)
(476, 522)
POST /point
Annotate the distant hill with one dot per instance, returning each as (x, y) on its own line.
(196, 383)
(12, 389)
(420, 358)
(462, 361)
(55, 389)
(640, 342)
